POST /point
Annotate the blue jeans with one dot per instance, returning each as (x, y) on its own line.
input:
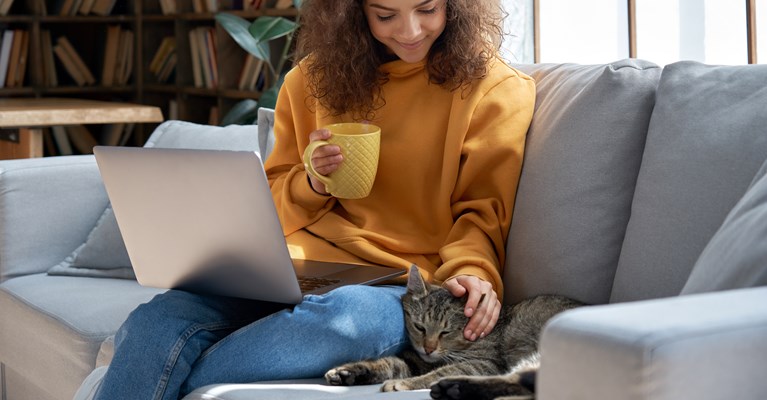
(180, 341)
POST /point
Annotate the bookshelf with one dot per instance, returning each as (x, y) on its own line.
(137, 28)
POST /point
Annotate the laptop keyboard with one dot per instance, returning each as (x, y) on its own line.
(309, 283)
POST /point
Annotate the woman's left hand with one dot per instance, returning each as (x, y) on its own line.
(482, 304)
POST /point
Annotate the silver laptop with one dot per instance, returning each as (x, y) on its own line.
(205, 221)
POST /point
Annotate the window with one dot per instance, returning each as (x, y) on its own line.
(661, 31)
(710, 31)
(583, 31)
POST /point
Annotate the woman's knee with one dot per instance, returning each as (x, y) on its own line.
(358, 312)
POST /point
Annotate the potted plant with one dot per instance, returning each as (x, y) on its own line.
(257, 38)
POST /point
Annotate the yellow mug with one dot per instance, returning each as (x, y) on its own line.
(360, 145)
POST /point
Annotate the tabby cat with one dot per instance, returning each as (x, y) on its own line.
(503, 363)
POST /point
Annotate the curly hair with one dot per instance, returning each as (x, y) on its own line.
(344, 74)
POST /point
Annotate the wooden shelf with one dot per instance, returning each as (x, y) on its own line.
(144, 18)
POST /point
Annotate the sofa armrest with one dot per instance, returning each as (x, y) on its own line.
(703, 347)
(47, 208)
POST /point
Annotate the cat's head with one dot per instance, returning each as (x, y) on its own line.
(434, 319)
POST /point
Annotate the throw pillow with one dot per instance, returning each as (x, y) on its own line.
(103, 254)
(736, 257)
(582, 157)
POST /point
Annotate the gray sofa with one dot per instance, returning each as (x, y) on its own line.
(643, 192)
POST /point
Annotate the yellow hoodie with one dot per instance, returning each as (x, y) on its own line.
(447, 176)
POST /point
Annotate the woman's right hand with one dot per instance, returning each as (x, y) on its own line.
(325, 159)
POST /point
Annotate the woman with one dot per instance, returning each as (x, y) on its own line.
(453, 119)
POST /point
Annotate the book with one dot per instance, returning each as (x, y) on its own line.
(172, 109)
(75, 57)
(195, 59)
(21, 71)
(212, 6)
(127, 133)
(49, 67)
(103, 7)
(283, 4)
(81, 138)
(249, 5)
(167, 69)
(168, 7)
(250, 73)
(5, 6)
(111, 49)
(50, 145)
(62, 140)
(112, 133)
(86, 6)
(5, 54)
(69, 65)
(13, 58)
(164, 51)
(198, 6)
(126, 60)
(242, 81)
(210, 41)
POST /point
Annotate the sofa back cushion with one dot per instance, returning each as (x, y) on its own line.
(581, 162)
(705, 143)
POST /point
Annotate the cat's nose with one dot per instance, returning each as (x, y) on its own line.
(428, 348)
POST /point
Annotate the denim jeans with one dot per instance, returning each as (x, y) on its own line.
(180, 341)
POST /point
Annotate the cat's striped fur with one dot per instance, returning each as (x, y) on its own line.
(501, 364)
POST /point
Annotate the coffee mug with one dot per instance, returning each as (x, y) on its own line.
(360, 146)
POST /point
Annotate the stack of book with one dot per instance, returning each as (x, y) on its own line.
(204, 65)
(164, 61)
(14, 51)
(205, 6)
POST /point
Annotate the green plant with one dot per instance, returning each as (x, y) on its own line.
(256, 38)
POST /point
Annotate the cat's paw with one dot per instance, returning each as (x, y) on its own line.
(397, 385)
(349, 375)
(477, 388)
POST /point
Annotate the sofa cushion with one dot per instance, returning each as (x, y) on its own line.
(705, 143)
(70, 317)
(581, 162)
(103, 255)
(736, 257)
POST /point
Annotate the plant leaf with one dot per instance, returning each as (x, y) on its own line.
(297, 4)
(238, 29)
(244, 112)
(267, 28)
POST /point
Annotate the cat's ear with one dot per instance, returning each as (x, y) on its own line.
(415, 282)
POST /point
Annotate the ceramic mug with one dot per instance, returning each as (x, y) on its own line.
(360, 146)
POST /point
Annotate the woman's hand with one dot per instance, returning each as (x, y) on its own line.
(482, 304)
(325, 159)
